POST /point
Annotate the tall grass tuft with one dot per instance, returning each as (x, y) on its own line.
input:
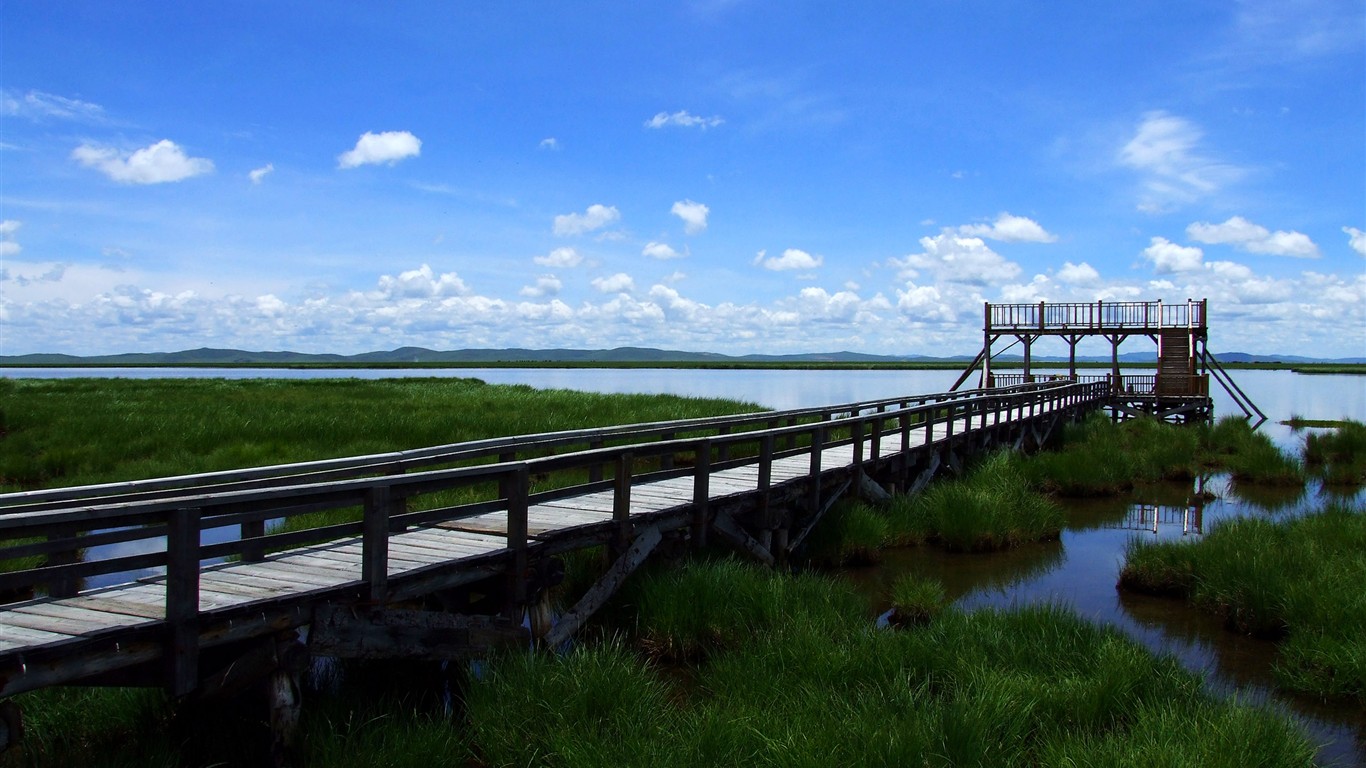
(1299, 580)
(916, 600)
(1339, 456)
(990, 508)
(852, 533)
(706, 606)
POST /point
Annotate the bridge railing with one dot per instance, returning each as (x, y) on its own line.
(1146, 385)
(54, 550)
(1097, 316)
(499, 449)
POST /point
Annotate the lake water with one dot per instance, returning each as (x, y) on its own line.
(1079, 570)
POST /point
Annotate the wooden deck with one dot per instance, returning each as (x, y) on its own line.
(436, 520)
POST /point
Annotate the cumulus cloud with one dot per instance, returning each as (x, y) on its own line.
(421, 283)
(1165, 150)
(36, 105)
(159, 163)
(1168, 257)
(660, 251)
(955, 259)
(380, 148)
(617, 283)
(792, 259)
(1356, 239)
(1078, 274)
(683, 119)
(545, 285)
(694, 215)
(258, 174)
(1010, 229)
(1254, 238)
(7, 245)
(596, 217)
(560, 258)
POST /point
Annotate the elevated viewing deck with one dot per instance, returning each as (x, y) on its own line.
(1098, 318)
(1179, 389)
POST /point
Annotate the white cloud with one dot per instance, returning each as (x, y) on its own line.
(660, 251)
(596, 217)
(694, 215)
(550, 143)
(161, 162)
(954, 259)
(1078, 274)
(546, 285)
(1356, 239)
(36, 105)
(421, 283)
(1165, 150)
(260, 173)
(1241, 233)
(7, 245)
(560, 258)
(1168, 257)
(1010, 229)
(684, 120)
(377, 148)
(791, 259)
(615, 284)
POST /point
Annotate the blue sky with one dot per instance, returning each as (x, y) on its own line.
(733, 176)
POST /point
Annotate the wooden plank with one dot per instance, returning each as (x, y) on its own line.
(300, 574)
(730, 530)
(14, 636)
(599, 593)
(350, 633)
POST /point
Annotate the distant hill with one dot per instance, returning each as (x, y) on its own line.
(206, 356)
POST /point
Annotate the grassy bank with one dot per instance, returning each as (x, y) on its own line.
(57, 432)
(1298, 581)
(804, 685)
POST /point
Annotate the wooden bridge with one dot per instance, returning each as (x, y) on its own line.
(201, 583)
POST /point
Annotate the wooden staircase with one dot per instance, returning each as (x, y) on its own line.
(1175, 362)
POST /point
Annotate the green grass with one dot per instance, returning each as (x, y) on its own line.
(61, 432)
(916, 600)
(1339, 456)
(679, 615)
(851, 533)
(1299, 581)
(992, 507)
(1030, 686)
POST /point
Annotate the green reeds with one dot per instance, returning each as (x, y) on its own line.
(1028, 686)
(78, 431)
(990, 508)
(702, 607)
(851, 533)
(1299, 580)
(1248, 455)
(1339, 456)
(916, 600)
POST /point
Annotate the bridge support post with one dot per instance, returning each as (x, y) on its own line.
(182, 601)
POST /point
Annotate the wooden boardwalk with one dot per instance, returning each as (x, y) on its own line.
(457, 521)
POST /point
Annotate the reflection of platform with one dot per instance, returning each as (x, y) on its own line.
(1151, 517)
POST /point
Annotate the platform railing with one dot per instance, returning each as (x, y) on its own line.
(1097, 316)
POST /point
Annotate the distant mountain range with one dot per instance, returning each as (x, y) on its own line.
(645, 355)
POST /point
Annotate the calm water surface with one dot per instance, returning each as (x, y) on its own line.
(1079, 570)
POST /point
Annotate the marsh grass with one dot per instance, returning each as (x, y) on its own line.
(1028, 686)
(1297, 580)
(916, 600)
(692, 611)
(1338, 456)
(852, 533)
(992, 507)
(60, 432)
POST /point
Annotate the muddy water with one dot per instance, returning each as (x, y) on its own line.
(1081, 568)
